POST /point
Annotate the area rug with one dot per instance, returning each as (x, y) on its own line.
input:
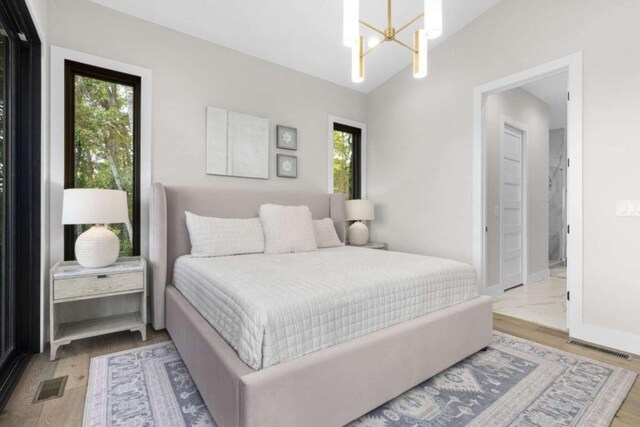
(514, 383)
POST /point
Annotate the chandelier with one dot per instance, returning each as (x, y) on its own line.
(352, 38)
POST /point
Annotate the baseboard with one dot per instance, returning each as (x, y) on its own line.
(611, 338)
(493, 290)
(554, 263)
(538, 276)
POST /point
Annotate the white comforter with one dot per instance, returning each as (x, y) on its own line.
(273, 308)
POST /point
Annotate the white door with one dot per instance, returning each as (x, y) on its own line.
(511, 208)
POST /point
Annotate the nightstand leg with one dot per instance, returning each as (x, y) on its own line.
(143, 332)
(54, 350)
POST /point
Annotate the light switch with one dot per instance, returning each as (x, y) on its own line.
(628, 208)
(496, 210)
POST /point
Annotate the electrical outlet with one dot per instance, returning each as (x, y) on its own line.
(628, 208)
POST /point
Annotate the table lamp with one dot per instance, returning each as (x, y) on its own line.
(358, 211)
(98, 246)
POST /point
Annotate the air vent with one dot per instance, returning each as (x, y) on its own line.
(50, 389)
(594, 347)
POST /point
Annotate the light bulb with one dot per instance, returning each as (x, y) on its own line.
(373, 42)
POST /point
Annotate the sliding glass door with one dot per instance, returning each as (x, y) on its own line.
(4, 297)
(20, 148)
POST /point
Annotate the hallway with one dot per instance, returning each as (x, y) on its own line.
(543, 302)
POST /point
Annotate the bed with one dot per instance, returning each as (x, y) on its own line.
(313, 339)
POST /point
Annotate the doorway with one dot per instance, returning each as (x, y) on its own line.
(519, 247)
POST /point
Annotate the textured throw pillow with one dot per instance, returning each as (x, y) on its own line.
(287, 229)
(224, 236)
(325, 232)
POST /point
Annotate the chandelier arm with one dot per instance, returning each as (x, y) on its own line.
(405, 45)
(371, 49)
(366, 24)
(404, 27)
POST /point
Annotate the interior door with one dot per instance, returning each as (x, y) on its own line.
(511, 207)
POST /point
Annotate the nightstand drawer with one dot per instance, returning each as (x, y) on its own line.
(74, 287)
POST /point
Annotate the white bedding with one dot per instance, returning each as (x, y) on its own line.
(273, 308)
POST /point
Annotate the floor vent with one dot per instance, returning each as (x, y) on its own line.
(594, 347)
(50, 389)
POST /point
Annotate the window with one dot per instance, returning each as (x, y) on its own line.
(19, 192)
(102, 143)
(347, 174)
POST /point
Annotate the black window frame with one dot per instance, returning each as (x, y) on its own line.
(23, 191)
(71, 70)
(356, 157)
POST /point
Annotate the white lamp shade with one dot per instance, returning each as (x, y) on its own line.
(94, 206)
(350, 22)
(433, 18)
(359, 210)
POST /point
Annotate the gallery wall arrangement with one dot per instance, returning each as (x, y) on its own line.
(286, 139)
(238, 145)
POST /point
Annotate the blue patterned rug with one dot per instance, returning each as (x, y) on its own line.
(515, 383)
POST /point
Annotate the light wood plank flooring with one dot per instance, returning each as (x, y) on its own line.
(74, 361)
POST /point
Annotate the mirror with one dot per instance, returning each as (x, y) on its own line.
(237, 144)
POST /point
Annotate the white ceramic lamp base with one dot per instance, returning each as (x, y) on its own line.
(358, 234)
(97, 247)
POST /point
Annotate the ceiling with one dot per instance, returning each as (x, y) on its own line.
(304, 35)
(553, 91)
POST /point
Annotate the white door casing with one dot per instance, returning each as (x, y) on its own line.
(573, 64)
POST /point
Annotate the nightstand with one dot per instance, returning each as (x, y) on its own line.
(72, 283)
(372, 245)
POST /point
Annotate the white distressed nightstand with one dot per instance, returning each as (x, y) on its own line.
(70, 282)
(372, 245)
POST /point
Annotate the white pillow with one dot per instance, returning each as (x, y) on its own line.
(325, 232)
(287, 229)
(224, 236)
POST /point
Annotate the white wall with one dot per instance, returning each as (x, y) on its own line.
(523, 107)
(420, 140)
(189, 74)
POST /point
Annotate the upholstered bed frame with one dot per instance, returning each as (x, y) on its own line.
(326, 388)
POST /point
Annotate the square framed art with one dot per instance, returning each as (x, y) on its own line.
(286, 137)
(287, 166)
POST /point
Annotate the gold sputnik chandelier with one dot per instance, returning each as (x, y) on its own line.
(352, 38)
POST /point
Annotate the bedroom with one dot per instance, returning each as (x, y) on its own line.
(286, 62)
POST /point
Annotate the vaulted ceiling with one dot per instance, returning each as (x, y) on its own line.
(304, 35)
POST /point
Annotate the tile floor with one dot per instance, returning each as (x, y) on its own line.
(543, 302)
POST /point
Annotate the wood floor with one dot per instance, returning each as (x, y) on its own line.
(74, 362)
